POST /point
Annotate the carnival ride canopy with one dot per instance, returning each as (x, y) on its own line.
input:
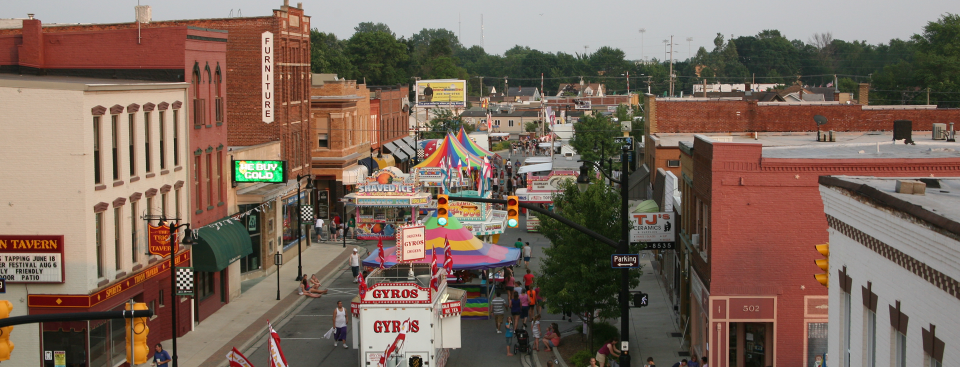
(469, 253)
(451, 148)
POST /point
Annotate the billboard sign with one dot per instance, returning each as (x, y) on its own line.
(652, 227)
(260, 171)
(442, 93)
(583, 104)
(31, 259)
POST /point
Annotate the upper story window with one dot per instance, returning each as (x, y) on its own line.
(218, 104)
(96, 150)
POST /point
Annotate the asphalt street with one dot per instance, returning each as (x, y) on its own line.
(301, 333)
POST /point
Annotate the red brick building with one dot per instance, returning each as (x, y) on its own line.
(391, 124)
(751, 215)
(193, 55)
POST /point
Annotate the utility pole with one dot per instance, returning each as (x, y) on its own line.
(689, 47)
(628, 83)
(481, 31)
(928, 96)
(642, 55)
(506, 87)
(649, 79)
(671, 66)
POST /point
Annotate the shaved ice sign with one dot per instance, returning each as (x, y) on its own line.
(412, 246)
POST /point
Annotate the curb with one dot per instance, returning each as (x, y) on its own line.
(280, 311)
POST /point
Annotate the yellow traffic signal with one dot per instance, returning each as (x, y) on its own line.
(140, 332)
(824, 264)
(6, 346)
(443, 208)
(513, 212)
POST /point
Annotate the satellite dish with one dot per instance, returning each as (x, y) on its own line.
(820, 120)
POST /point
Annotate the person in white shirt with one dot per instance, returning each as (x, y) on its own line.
(340, 321)
(527, 252)
(355, 264)
(318, 229)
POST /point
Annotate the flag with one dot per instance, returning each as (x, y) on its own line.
(434, 272)
(380, 255)
(830, 84)
(396, 346)
(363, 287)
(276, 354)
(447, 257)
(551, 115)
(237, 359)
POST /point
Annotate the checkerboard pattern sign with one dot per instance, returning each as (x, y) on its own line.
(306, 213)
(184, 281)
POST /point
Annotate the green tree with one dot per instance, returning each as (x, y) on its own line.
(938, 60)
(575, 272)
(445, 121)
(378, 57)
(593, 137)
(370, 27)
(327, 55)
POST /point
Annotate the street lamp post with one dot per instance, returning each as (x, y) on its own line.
(278, 260)
(173, 227)
(300, 225)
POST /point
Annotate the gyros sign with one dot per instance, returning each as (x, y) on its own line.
(397, 293)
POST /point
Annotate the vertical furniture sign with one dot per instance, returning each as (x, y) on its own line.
(266, 53)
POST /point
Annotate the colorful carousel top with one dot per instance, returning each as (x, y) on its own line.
(450, 148)
(477, 150)
(468, 251)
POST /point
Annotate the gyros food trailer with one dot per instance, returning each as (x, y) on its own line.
(400, 300)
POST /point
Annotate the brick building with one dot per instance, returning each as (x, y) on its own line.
(198, 56)
(89, 159)
(340, 115)
(390, 125)
(750, 217)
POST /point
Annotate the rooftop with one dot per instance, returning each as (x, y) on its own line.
(938, 206)
(81, 83)
(848, 145)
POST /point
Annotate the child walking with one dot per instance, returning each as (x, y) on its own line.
(535, 327)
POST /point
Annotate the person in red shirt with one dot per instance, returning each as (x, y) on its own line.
(528, 279)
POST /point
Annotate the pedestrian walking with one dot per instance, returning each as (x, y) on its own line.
(535, 329)
(519, 243)
(527, 252)
(161, 358)
(704, 360)
(509, 334)
(515, 308)
(650, 362)
(352, 227)
(318, 229)
(682, 363)
(355, 264)
(524, 308)
(532, 297)
(333, 231)
(693, 362)
(499, 308)
(340, 321)
(528, 279)
(340, 231)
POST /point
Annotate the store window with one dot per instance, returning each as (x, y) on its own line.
(107, 342)
(204, 285)
(67, 337)
(816, 343)
(290, 220)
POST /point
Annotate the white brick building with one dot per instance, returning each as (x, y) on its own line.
(894, 270)
(53, 132)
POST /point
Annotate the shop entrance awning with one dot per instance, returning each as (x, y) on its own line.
(220, 244)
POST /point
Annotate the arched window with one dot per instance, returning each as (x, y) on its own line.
(218, 92)
(198, 103)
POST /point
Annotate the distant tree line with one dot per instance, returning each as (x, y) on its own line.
(900, 71)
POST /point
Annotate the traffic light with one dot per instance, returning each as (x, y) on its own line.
(513, 213)
(824, 264)
(140, 332)
(6, 346)
(443, 208)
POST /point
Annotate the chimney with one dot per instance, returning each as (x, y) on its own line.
(31, 50)
(286, 3)
(864, 94)
(299, 5)
(30, 16)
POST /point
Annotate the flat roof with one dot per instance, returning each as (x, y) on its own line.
(939, 206)
(848, 145)
(82, 83)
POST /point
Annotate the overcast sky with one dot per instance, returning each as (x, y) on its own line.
(551, 26)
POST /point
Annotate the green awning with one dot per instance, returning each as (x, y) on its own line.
(218, 247)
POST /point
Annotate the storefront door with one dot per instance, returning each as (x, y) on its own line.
(751, 344)
(253, 261)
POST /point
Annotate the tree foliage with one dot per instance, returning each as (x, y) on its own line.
(575, 273)
(900, 70)
(593, 137)
(445, 121)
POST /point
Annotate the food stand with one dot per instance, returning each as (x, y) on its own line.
(540, 190)
(385, 201)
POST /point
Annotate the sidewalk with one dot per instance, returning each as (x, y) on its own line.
(653, 325)
(243, 320)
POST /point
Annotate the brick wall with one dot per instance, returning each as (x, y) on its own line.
(766, 216)
(741, 116)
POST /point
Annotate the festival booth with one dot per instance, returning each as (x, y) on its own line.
(540, 190)
(384, 201)
(467, 253)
